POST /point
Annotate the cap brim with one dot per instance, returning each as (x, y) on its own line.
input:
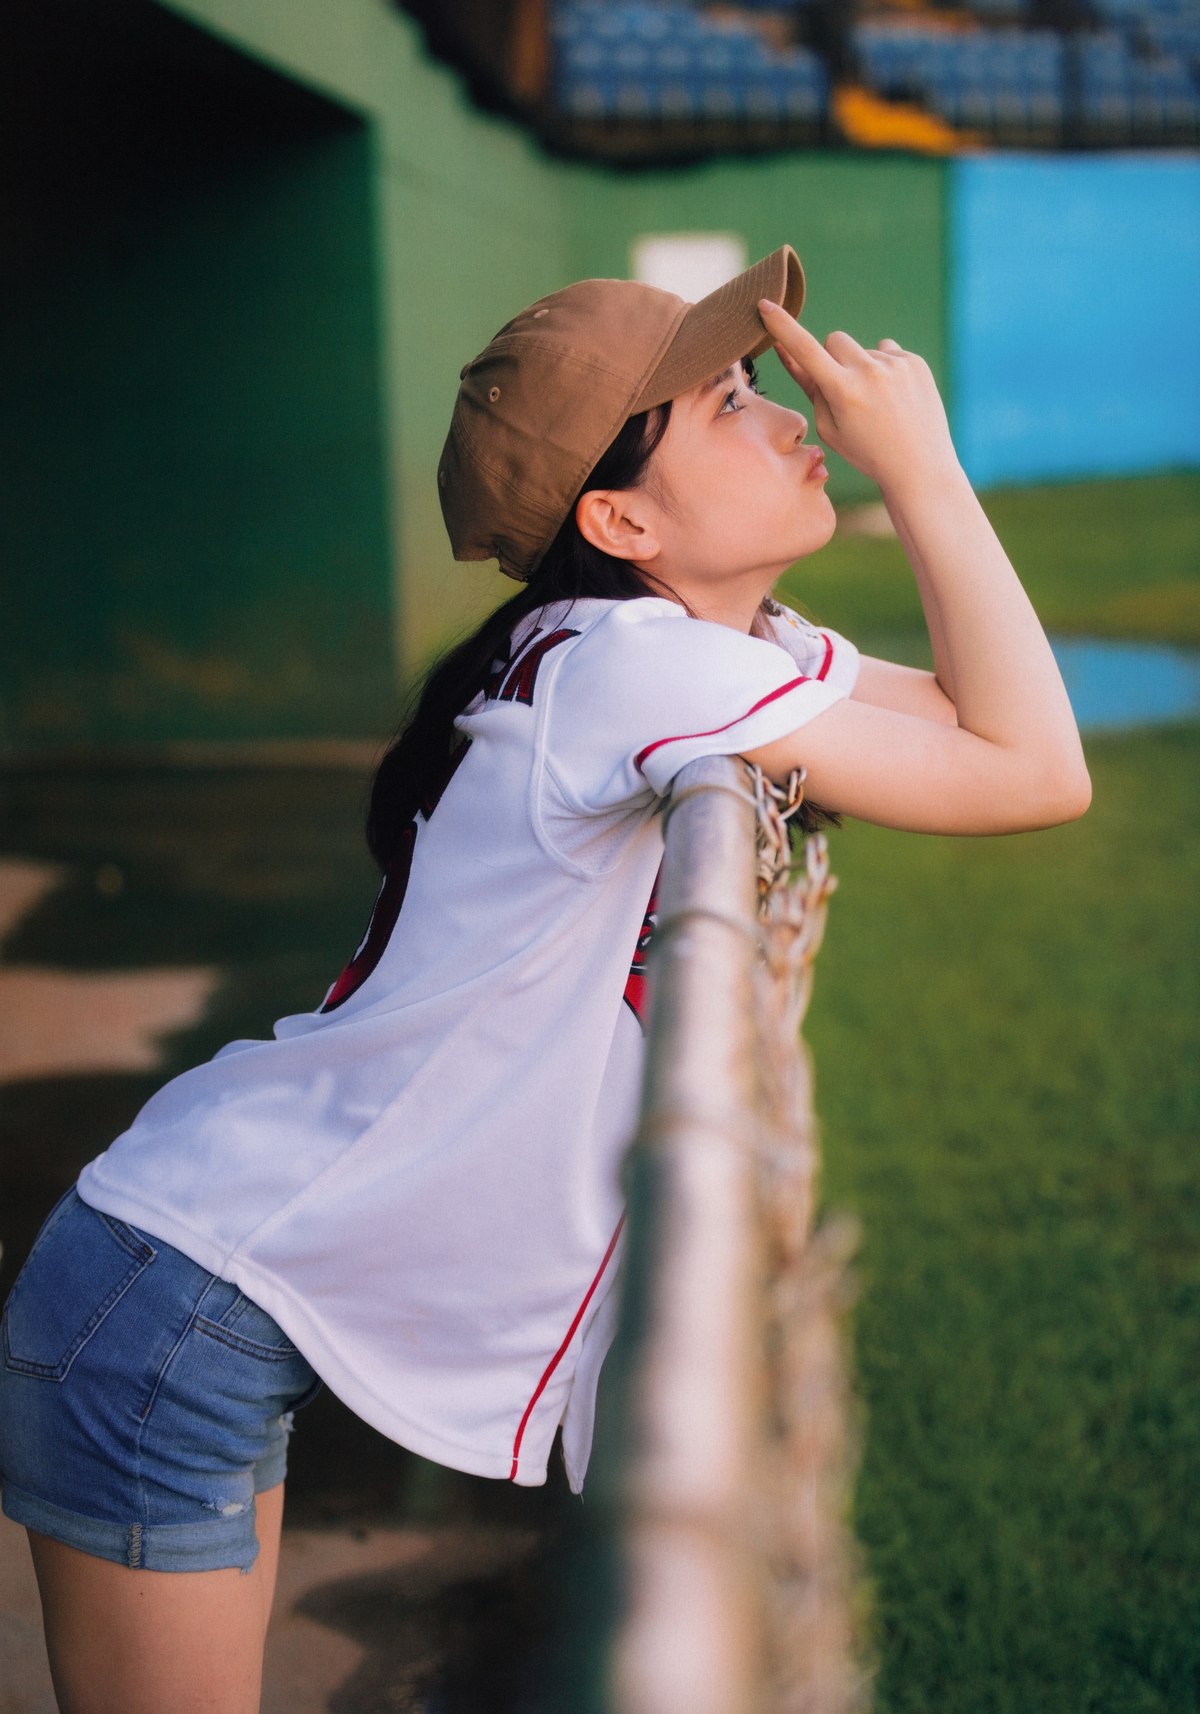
(724, 326)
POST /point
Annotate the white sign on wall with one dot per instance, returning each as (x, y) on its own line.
(690, 264)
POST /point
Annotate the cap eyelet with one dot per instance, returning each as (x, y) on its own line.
(538, 313)
(442, 477)
(493, 394)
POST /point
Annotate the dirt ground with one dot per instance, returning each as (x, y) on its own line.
(146, 917)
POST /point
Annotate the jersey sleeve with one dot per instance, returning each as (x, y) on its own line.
(652, 689)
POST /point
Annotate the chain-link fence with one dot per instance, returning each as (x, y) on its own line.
(729, 1431)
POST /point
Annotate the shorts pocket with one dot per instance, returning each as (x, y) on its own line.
(246, 1327)
(81, 1264)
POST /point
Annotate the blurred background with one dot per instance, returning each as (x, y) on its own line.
(247, 248)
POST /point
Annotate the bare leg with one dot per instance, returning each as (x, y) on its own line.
(268, 1526)
(139, 1642)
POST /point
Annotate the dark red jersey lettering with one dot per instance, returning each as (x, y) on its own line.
(635, 985)
(390, 898)
(500, 666)
(383, 921)
(518, 686)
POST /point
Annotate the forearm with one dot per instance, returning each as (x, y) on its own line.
(1002, 674)
(930, 606)
(1013, 759)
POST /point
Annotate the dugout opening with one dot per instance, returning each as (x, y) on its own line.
(195, 533)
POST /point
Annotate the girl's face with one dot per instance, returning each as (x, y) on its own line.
(735, 492)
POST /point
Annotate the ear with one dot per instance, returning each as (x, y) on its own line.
(618, 521)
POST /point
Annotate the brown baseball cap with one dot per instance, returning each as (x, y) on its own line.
(537, 409)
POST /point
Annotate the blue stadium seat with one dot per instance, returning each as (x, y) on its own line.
(647, 60)
(668, 60)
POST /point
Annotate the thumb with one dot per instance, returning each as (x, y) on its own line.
(822, 416)
(796, 370)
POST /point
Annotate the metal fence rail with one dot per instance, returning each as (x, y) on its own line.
(730, 1439)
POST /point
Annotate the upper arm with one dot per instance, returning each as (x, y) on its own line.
(924, 775)
(908, 690)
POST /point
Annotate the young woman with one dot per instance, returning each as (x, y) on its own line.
(412, 1192)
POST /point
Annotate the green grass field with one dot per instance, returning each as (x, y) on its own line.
(1102, 559)
(1006, 1041)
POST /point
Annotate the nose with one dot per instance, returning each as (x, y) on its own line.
(793, 425)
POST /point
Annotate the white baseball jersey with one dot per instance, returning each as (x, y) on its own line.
(420, 1179)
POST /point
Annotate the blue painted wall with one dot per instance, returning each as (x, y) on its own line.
(1074, 315)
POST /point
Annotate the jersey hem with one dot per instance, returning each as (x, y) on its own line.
(528, 1471)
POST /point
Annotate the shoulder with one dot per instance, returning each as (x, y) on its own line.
(818, 651)
(648, 663)
(655, 629)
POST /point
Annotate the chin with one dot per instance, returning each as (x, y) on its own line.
(820, 533)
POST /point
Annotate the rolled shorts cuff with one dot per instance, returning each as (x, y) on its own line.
(217, 1544)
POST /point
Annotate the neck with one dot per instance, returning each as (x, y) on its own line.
(734, 603)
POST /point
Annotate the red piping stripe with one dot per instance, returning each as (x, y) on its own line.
(684, 737)
(558, 1355)
(828, 661)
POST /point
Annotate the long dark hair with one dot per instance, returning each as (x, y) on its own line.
(416, 764)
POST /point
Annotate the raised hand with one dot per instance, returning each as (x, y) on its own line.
(880, 410)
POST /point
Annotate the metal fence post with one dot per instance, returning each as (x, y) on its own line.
(727, 1434)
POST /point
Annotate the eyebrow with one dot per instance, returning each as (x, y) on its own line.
(714, 383)
(716, 380)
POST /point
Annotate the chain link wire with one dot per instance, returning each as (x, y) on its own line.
(816, 1609)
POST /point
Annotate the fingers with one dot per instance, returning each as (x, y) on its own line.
(796, 369)
(796, 342)
(846, 349)
(802, 352)
(804, 380)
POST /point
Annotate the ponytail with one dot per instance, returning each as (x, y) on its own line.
(418, 760)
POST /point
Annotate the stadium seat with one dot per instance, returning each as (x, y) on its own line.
(1135, 76)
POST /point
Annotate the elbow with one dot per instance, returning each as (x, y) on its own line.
(1048, 797)
(1071, 794)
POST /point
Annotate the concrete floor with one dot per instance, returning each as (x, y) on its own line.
(343, 1638)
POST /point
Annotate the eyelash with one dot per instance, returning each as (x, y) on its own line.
(753, 386)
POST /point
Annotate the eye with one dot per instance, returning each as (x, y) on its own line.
(731, 404)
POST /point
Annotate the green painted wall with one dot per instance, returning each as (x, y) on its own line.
(196, 526)
(472, 222)
(226, 427)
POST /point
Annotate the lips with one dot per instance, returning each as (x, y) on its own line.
(816, 461)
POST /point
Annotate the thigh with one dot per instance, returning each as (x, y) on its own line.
(268, 1526)
(138, 1642)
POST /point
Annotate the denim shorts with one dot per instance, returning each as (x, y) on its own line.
(143, 1401)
